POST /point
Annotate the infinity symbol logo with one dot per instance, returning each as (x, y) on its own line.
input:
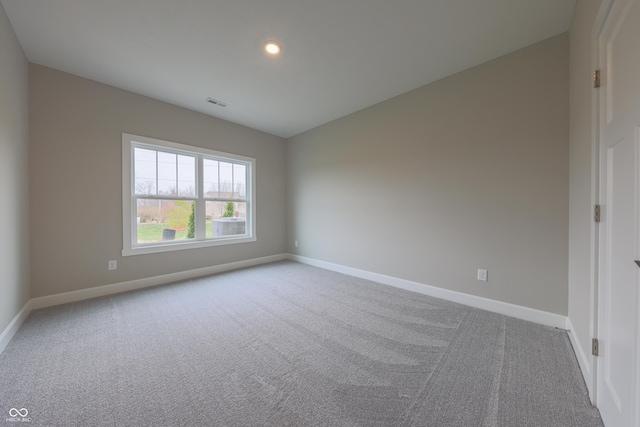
(13, 412)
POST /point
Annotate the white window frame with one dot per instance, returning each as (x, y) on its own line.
(129, 214)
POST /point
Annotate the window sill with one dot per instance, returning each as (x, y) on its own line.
(171, 247)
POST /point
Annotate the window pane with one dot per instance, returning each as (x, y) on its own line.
(186, 176)
(164, 220)
(239, 181)
(226, 218)
(144, 171)
(167, 173)
(226, 180)
(210, 178)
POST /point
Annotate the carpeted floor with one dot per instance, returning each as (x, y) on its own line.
(286, 344)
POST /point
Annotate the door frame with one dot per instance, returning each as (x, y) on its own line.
(592, 377)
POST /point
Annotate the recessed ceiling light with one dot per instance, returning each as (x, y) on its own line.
(272, 48)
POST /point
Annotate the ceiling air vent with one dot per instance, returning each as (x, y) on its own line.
(216, 102)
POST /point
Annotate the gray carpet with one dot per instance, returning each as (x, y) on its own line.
(286, 344)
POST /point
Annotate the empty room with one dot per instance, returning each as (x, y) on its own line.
(331, 213)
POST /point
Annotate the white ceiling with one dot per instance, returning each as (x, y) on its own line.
(338, 56)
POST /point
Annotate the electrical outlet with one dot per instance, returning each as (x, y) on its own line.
(295, 243)
(113, 265)
(483, 275)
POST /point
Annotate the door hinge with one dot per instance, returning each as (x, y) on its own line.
(596, 78)
(595, 347)
(596, 213)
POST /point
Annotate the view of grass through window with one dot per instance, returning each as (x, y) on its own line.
(164, 219)
(165, 186)
(161, 219)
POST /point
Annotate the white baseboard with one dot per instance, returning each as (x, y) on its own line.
(583, 360)
(513, 310)
(13, 327)
(98, 291)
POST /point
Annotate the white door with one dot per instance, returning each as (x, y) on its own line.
(618, 389)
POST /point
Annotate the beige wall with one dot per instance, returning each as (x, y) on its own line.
(468, 172)
(76, 174)
(14, 148)
(581, 174)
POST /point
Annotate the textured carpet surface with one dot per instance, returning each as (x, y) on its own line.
(286, 344)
